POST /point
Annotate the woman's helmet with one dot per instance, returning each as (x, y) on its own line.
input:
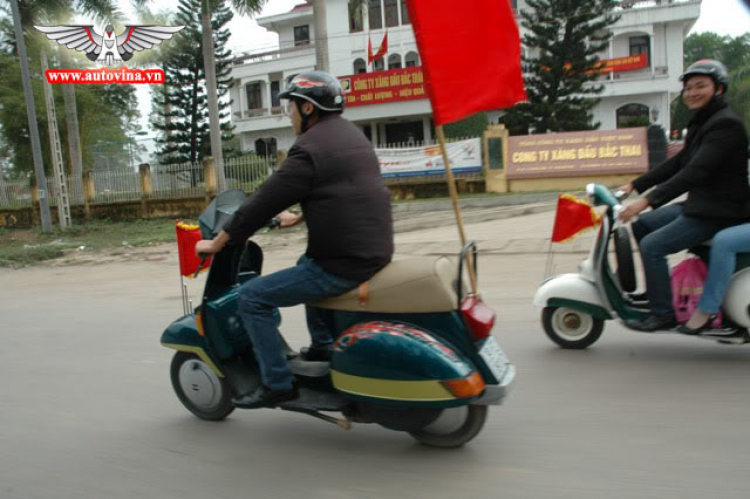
(321, 89)
(708, 67)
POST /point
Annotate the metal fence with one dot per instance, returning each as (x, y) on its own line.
(249, 172)
(15, 193)
(116, 185)
(177, 181)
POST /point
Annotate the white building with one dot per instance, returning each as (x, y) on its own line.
(646, 54)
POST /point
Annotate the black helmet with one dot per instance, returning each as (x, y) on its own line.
(708, 67)
(317, 87)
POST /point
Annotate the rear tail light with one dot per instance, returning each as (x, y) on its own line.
(471, 386)
(479, 318)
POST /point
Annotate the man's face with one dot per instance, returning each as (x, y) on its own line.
(698, 91)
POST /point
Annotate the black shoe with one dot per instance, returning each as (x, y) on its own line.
(684, 329)
(263, 397)
(316, 354)
(652, 323)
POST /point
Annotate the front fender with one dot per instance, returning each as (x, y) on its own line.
(182, 335)
(573, 291)
(395, 364)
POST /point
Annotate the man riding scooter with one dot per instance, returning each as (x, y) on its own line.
(711, 169)
(333, 173)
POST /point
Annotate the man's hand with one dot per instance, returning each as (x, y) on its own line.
(633, 210)
(289, 219)
(628, 188)
(211, 246)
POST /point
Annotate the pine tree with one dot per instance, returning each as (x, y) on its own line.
(563, 41)
(180, 106)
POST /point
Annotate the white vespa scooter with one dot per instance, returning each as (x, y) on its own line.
(575, 305)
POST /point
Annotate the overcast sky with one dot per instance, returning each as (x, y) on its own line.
(725, 17)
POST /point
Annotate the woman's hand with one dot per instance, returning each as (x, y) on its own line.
(633, 209)
(627, 188)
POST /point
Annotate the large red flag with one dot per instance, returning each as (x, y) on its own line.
(573, 215)
(471, 55)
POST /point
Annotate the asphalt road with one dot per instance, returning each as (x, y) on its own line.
(87, 410)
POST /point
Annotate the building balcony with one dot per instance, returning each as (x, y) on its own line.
(253, 58)
(257, 113)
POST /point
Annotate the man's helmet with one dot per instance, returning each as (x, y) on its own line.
(321, 89)
(708, 67)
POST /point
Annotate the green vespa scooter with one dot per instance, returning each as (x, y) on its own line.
(416, 357)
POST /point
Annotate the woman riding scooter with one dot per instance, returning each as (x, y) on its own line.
(711, 169)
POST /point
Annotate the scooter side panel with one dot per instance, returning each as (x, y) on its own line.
(574, 289)
(386, 365)
(182, 335)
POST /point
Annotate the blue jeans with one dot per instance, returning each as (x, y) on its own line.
(307, 282)
(663, 232)
(724, 249)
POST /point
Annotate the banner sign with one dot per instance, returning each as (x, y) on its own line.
(394, 85)
(578, 154)
(618, 64)
(465, 157)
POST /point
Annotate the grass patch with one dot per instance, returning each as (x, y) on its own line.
(23, 247)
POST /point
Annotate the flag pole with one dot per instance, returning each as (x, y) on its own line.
(456, 207)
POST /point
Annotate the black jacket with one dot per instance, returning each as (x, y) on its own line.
(712, 168)
(333, 172)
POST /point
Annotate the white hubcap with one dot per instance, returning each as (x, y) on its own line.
(450, 420)
(200, 384)
(571, 324)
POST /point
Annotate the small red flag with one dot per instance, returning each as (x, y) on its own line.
(381, 51)
(187, 237)
(573, 215)
(471, 56)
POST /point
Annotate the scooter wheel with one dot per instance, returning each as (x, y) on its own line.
(199, 388)
(571, 328)
(453, 427)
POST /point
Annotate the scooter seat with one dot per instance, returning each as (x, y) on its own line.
(416, 285)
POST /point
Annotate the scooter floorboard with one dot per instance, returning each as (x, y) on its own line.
(312, 400)
(724, 336)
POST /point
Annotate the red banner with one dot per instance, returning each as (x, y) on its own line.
(628, 63)
(394, 85)
(573, 215)
(187, 237)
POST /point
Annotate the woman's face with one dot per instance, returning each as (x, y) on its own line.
(698, 91)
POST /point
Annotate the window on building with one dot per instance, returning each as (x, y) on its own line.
(632, 115)
(394, 61)
(301, 35)
(412, 59)
(640, 45)
(360, 66)
(391, 13)
(378, 65)
(374, 14)
(254, 100)
(275, 90)
(355, 19)
(404, 13)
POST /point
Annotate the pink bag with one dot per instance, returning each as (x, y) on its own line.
(687, 287)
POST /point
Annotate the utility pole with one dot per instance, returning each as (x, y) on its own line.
(36, 146)
(320, 22)
(61, 182)
(213, 98)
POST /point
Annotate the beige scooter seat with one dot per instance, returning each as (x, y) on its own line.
(416, 285)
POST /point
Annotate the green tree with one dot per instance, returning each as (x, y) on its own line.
(181, 106)
(564, 39)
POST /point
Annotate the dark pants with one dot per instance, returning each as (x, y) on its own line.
(663, 232)
(307, 282)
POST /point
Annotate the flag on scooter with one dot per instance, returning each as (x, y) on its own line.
(573, 216)
(187, 237)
